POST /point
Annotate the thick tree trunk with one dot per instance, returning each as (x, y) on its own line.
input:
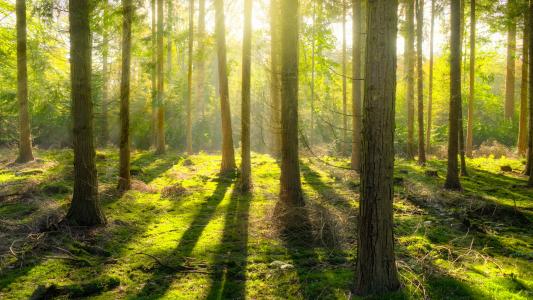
(522, 129)
(420, 79)
(452, 176)
(200, 65)
(189, 77)
(153, 77)
(85, 207)
(291, 197)
(356, 86)
(530, 141)
(510, 75)
(470, 122)
(430, 88)
(245, 104)
(104, 136)
(228, 154)
(376, 267)
(124, 182)
(160, 81)
(344, 142)
(410, 71)
(275, 81)
(25, 152)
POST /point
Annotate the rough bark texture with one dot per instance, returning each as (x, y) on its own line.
(153, 77)
(189, 77)
(344, 142)
(410, 71)
(430, 87)
(376, 268)
(356, 86)
(25, 152)
(124, 182)
(160, 147)
(530, 141)
(104, 136)
(85, 207)
(228, 153)
(200, 65)
(291, 197)
(245, 181)
(420, 79)
(470, 122)
(510, 75)
(452, 175)
(275, 81)
(522, 129)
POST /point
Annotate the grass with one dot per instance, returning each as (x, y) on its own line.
(186, 232)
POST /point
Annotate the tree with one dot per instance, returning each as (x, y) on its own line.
(160, 145)
(228, 154)
(124, 182)
(275, 80)
(189, 77)
(356, 86)
(85, 207)
(530, 140)
(420, 79)
(511, 52)
(200, 65)
(452, 175)
(430, 88)
(25, 152)
(463, 169)
(291, 196)
(344, 100)
(375, 267)
(522, 128)
(470, 116)
(153, 77)
(245, 104)
(410, 70)
(104, 138)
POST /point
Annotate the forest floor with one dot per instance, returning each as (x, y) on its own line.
(184, 232)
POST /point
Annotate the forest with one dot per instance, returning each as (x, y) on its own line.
(266, 149)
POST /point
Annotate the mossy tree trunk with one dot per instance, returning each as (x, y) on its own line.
(375, 266)
(85, 208)
(245, 104)
(522, 128)
(25, 151)
(356, 86)
(124, 182)
(530, 141)
(160, 146)
(420, 79)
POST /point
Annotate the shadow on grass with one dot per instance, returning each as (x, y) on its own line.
(148, 166)
(162, 277)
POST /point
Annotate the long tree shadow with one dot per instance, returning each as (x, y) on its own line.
(229, 277)
(148, 166)
(163, 276)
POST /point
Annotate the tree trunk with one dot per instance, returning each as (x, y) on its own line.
(104, 138)
(275, 81)
(245, 104)
(530, 141)
(189, 77)
(291, 196)
(200, 65)
(420, 79)
(376, 267)
(25, 152)
(356, 86)
(464, 172)
(470, 122)
(124, 182)
(510, 75)
(170, 19)
(160, 81)
(522, 129)
(85, 207)
(430, 88)
(344, 142)
(313, 75)
(228, 154)
(153, 77)
(452, 176)
(410, 70)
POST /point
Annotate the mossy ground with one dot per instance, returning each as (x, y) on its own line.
(185, 232)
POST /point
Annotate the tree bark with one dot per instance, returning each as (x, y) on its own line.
(530, 141)
(189, 77)
(452, 176)
(420, 79)
(228, 154)
(522, 129)
(344, 142)
(85, 208)
(470, 122)
(25, 151)
(275, 80)
(245, 104)
(510, 75)
(376, 268)
(356, 86)
(153, 77)
(462, 158)
(430, 88)
(104, 139)
(124, 182)
(160, 149)
(410, 70)
(200, 65)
